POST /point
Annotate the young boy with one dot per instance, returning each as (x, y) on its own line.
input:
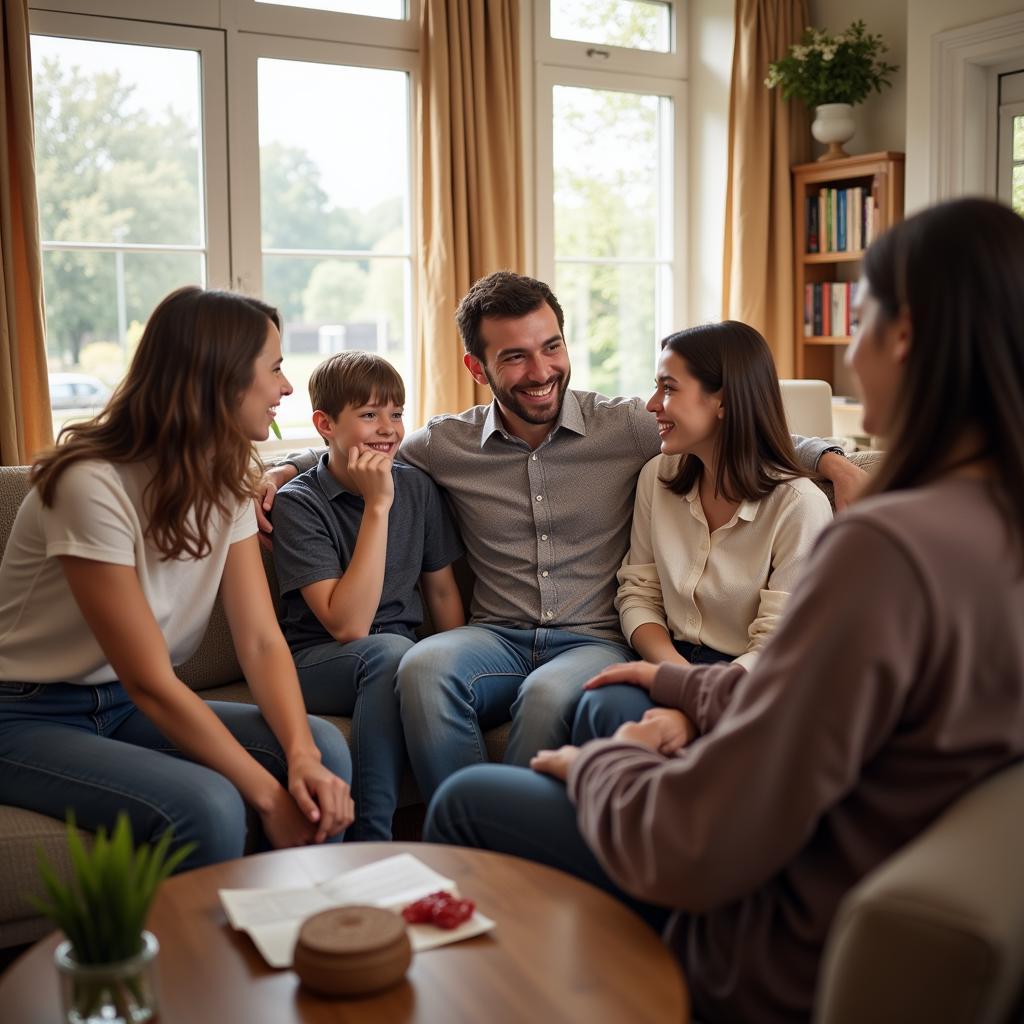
(352, 536)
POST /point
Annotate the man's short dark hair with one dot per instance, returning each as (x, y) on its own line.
(501, 294)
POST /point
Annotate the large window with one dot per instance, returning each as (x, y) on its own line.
(123, 179)
(1011, 140)
(171, 155)
(610, 183)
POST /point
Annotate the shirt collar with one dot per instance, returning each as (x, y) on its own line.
(747, 509)
(328, 482)
(570, 416)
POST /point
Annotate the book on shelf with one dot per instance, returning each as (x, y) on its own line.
(829, 309)
(840, 220)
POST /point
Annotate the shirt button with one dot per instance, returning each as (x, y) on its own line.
(540, 497)
(543, 536)
(533, 458)
(545, 574)
(549, 614)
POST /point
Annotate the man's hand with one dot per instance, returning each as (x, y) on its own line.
(847, 479)
(270, 483)
(371, 472)
(555, 763)
(635, 673)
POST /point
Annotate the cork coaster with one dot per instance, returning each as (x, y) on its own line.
(352, 950)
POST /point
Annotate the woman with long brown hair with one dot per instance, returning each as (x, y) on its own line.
(134, 522)
(722, 522)
(893, 684)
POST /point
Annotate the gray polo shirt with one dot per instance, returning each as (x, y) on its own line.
(546, 529)
(316, 523)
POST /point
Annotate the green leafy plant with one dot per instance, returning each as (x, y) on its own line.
(103, 908)
(832, 69)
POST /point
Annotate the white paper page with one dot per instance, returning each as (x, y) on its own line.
(394, 882)
(274, 917)
(250, 908)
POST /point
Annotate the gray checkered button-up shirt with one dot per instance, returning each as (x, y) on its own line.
(544, 529)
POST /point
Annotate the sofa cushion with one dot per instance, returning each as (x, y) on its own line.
(937, 932)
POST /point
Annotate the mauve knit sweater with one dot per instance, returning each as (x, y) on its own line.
(894, 682)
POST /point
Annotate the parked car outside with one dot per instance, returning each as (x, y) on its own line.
(77, 391)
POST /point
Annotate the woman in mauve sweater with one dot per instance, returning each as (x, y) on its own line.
(894, 683)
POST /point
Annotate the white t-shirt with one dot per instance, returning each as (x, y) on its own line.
(726, 589)
(98, 514)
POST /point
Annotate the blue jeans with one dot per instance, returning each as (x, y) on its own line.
(602, 711)
(358, 679)
(89, 749)
(519, 812)
(454, 685)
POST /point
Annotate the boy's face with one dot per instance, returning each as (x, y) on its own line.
(374, 427)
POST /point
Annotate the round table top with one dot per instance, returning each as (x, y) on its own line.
(561, 950)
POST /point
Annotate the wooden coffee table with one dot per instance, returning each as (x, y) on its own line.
(562, 951)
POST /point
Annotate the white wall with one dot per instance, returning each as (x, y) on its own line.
(882, 118)
(710, 68)
(926, 18)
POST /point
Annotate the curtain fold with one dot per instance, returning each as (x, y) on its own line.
(25, 425)
(471, 201)
(766, 136)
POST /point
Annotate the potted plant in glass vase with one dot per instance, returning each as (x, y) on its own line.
(831, 74)
(107, 962)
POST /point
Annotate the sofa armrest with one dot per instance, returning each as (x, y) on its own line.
(937, 931)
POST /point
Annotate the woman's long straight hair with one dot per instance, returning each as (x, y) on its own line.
(957, 270)
(753, 449)
(178, 410)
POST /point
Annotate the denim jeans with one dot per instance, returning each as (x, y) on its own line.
(89, 749)
(454, 685)
(525, 814)
(358, 679)
(602, 711)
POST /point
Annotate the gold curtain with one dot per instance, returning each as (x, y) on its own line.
(471, 206)
(766, 136)
(25, 425)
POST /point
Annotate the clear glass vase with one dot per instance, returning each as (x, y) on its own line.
(124, 992)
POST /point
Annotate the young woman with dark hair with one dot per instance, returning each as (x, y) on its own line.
(136, 519)
(723, 518)
(893, 684)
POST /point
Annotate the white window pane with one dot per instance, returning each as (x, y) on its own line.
(1018, 138)
(323, 192)
(118, 154)
(97, 304)
(334, 167)
(376, 8)
(1017, 199)
(638, 24)
(330, 305)
(611, 325)
(608, 170)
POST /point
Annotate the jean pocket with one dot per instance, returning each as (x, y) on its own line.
(19, 691)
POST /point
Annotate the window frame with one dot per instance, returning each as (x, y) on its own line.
(244, 183)
(213, 123)
(670, 312)
(616, 59)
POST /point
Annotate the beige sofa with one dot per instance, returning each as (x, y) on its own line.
(937, 933)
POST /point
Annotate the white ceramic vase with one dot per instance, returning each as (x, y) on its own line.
(833, 125)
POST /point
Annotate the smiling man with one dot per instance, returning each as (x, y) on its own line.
(541, 481)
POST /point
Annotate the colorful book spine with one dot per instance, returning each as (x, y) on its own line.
(812, 224)
(841, 231)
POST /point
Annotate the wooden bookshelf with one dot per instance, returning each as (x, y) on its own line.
(880, 175)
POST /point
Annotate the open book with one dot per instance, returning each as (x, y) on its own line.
(273, 917)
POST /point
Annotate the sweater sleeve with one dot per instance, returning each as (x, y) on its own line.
(710, 825)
